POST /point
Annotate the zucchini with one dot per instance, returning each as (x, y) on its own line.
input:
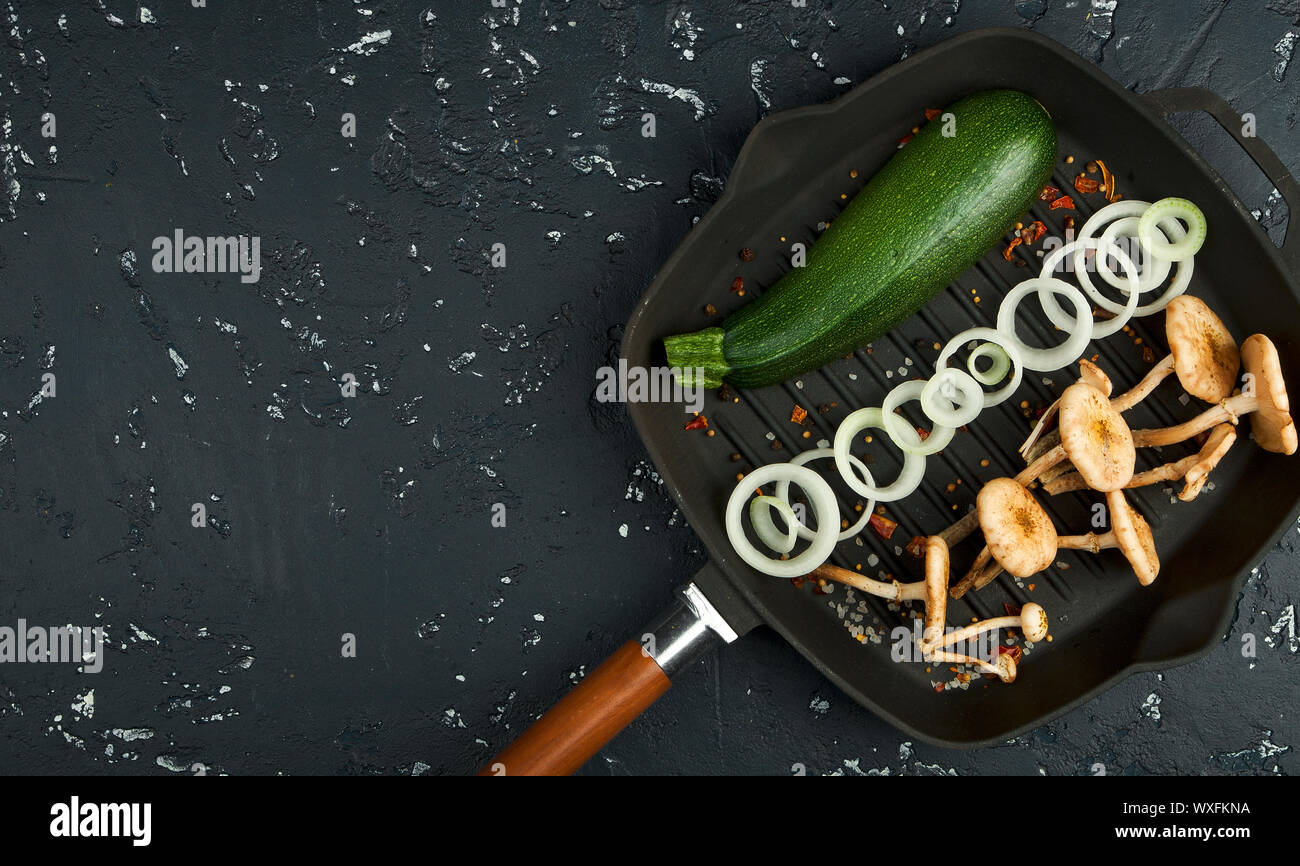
(930, 213)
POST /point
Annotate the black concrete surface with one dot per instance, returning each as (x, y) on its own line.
(371, 515)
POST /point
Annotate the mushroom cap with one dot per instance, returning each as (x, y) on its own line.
(1096, 438)
(1133, 537)
(1033, 622)
(1095, 376)
(1019, 534)
(1006, 666)
(1216, 445)
(1271, 421)
(1206, 359)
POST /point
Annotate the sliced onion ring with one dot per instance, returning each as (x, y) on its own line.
(824, 506)
(997, 370)
(1122, 210)
(1122, 312)
(909, 477)
(1079, 333)
(1177, 208)
(998, 338)
(953, 414)
(760, 517)
(782, 492)
(898, 429)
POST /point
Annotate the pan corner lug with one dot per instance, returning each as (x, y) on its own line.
(686, 631)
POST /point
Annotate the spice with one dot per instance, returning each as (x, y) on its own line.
(710, 310)
(738, 285)
(1085, 184)
(932, 113)
(1064, 201)
(1107, 180)
(699, 422)
(1015, 242)
(798, 414)
(1049, 193)
(883, 526)
(916, 547)
(746, 255)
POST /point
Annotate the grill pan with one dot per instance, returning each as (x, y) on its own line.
(788, 177)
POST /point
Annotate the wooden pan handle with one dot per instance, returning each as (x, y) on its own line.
(585, 719)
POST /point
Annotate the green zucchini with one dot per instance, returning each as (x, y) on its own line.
(930, 213)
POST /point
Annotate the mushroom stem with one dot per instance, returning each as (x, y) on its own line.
(1138, 392)
(1004, 669)
(980, 575)
(961, 530)
(1228, 410)
(1041, 464)
(936, 593)
(1091, 541)
(892, 590)
(1165, 472)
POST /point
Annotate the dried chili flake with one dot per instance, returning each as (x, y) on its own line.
(1108, 181)
(932, 113)
(746, 255)
(923, 433)
(1013, 651)
(1063, 202)
(905, 139)
(1049, 193)
(710, 310)
(883, 526)
(699, 422)
(1015, 242)
(1011, 609)
(1039, 228)
(916, 547)
(798, 414)
(1085, 184)
(798, 582)
(738, 284)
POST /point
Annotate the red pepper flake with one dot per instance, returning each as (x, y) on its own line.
(1063, 202)
(1108, 181)
(905, 139)
(798, 582)
(938, 687)
(1013, 651)
(916, 547)
(923, 433)
(1039, 230)
(738, 284)
(1049, 193)
(883, 526)
(1011, 609)
(699, 422)
(799, 413)
(932, 113)
(1015, 242)
(746, 255)
(710, 310)
(1085, 184)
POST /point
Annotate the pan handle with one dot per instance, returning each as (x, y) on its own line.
(1177, 99)
(618, 691)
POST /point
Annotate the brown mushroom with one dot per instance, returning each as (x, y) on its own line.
(1129, 532)
(1201, 352)
(1032, 622)
(1094, 437)
(1265, 400)
(1192, 470)
(1004, 668)
(1088, 372)
(1021, 540)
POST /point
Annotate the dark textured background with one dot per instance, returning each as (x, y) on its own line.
(371, 515)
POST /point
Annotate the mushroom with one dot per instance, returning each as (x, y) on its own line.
(1201, 352)
(1018, 535)
(1088, 372)
(1265, 400)
(1192, 470)
(1021, 540)
(1032, 622)
(1129, 532)
(933, 590)
(1094, 437)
